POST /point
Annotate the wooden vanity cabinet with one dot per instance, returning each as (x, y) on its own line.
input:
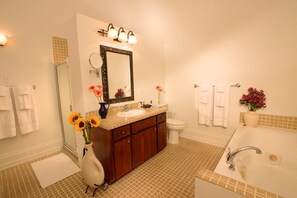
(122, 149)
(144, 140)
(161, 131)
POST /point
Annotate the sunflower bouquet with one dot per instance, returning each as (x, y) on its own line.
(83, 125)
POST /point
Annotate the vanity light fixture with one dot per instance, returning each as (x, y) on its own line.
(3, 39)
(119, 35)
(131, 38)
(110, 32)
(122, 36)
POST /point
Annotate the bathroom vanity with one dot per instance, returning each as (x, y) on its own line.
(122, 144)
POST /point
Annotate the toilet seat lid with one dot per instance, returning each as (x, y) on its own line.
(175, 122)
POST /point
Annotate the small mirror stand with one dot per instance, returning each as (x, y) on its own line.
(95, 61)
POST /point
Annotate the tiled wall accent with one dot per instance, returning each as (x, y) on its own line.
(234, 185)
(287, 122)
(113, 110)
(60, 49)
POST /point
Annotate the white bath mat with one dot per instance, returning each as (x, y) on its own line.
(54, 169)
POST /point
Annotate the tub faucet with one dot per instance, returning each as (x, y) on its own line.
(231, 155)
(125, 108)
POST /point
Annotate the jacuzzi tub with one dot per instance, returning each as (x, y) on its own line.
(274, 170)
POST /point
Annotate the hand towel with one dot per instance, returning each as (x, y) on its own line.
(221, 105)
(26, 108)
(205, 103)
(24, 97)
(7, 121)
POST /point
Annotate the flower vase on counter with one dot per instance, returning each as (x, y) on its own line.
(103, 110)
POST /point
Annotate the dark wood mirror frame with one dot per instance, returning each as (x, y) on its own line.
(104, 70)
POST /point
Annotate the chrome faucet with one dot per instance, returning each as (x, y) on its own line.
(231, 155)
(125, 108)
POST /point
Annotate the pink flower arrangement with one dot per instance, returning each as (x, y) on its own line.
(159, 88)
(254, 99)
(97, 91)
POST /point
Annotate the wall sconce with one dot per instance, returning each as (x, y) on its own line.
(3, 39)
(131, 38)
(119, 35)
(122, 36)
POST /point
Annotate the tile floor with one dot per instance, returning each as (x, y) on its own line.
(170, 173)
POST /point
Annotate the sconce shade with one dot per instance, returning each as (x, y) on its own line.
(111, 32)
(131, 38)
(3, 39)
(122, 36)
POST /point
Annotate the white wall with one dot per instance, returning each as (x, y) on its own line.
(148, 64)
(229, 41)
(251, 43)
(28, 59)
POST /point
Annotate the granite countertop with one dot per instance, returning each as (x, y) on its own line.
(113, 121)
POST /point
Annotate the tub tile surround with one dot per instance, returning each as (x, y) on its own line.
(112, 121)
(287, 122)
(234, 185)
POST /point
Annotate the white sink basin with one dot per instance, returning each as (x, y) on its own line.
(131, 113)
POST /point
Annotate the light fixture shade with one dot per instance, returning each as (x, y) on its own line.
(3, 39)
(122, 35)
(111, 32)
(131, 38)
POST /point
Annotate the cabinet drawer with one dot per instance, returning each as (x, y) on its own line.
(143, 124)
(121, 132)
(161, 118)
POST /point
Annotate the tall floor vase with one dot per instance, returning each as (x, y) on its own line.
(251, 118)
(92, 170)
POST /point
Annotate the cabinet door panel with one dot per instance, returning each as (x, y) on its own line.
(162, 136)
(122, 157)
(150, 143)
(138, 149)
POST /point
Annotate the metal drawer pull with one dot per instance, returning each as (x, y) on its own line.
(123, 132)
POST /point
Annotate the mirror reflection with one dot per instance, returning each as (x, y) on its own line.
(117, 74)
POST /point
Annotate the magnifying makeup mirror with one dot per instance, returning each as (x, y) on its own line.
(96, 62)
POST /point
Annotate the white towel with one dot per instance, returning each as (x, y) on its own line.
(26, 108)
(7, 122)
(221, 105)
(205, 103)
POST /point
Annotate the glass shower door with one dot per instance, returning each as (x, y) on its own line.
(65, 106)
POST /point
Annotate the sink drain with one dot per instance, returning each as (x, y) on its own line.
(273, 159)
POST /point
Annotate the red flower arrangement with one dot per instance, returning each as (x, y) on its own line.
(98, 91)
(254, 99)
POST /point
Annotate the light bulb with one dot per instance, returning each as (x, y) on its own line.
(3, 39)
(132, 39)
(122, 36)
(112, 33)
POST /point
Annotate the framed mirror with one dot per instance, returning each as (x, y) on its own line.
(117, 74)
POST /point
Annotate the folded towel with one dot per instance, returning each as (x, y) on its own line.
(26, 108)
(221, 105)
(205, 104)
(24, 98)
(7, 121)
(4, 98)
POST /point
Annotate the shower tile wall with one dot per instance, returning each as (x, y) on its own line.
(60, 49)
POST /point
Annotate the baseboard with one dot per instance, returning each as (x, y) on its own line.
(211, 138)
(29, 153)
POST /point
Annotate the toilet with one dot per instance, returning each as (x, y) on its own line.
(175, 127)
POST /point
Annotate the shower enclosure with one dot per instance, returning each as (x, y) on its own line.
(65, 104)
